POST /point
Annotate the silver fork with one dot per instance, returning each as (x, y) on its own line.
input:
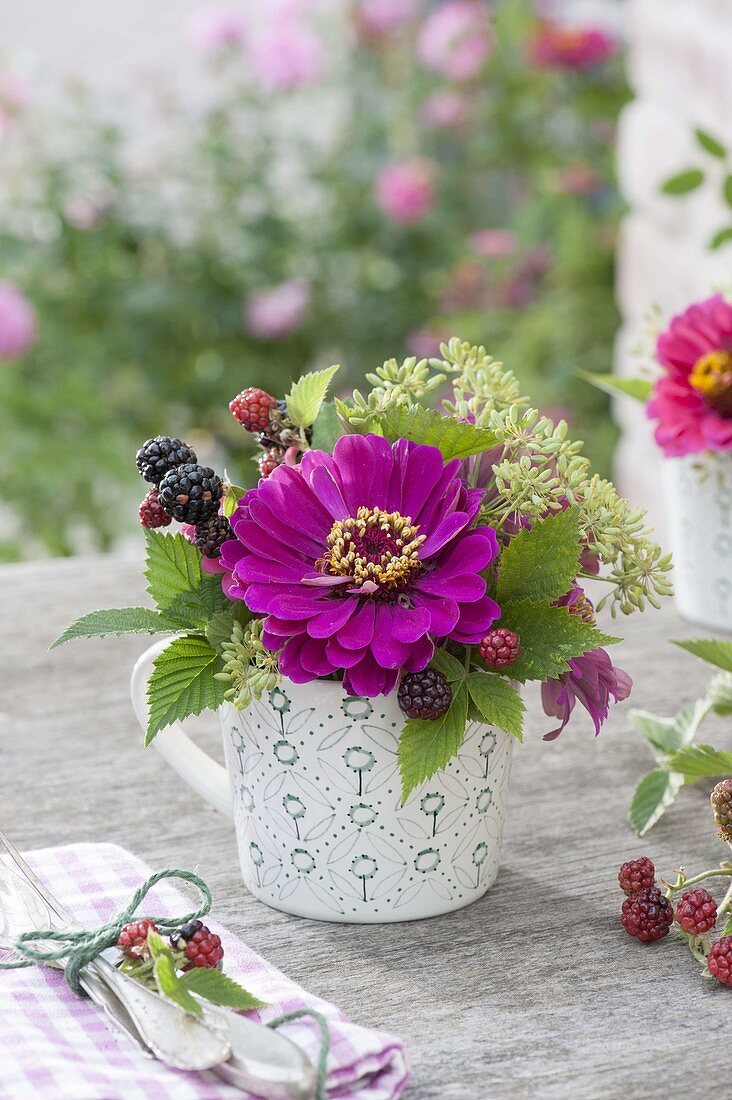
(173, 1036)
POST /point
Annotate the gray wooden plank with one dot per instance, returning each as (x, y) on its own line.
(535, 991)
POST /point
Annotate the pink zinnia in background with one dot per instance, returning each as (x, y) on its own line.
(17, 322)
(572, 47)
(377, 17)
(405, 190)
(276, 312)
(445, 108)
(693, 401)
(287, 52)
(213, 30)
(457, 39)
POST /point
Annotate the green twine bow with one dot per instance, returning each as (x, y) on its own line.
(80, 948)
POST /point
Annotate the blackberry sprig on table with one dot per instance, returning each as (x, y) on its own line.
(158, 456)
(191, 493)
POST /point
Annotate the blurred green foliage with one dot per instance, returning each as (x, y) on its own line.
(138, 261)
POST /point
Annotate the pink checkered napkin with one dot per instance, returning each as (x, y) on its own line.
(61, 1047)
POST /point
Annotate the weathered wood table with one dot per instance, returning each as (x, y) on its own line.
(535, 991)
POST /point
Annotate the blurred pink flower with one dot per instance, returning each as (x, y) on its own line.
(278, 311)
(17, 322)
(579, 179)
(405, 190)
(287, 53)
(445, 108)
(571, 47)
(457, 39)
(425, 342)
(213, 30)
(82, 212)
(493, 242)
(377, 17)
(15, 91)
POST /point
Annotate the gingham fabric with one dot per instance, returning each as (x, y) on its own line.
(60, 1047)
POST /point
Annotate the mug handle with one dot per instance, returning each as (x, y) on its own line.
(199, 770)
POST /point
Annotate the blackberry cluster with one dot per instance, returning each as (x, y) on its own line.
(721, 799)
(720, 960)
(199, 944)
(152, 513)
(500, 647)
(253, 409)
(132, 940)
(425, 694)
(647, 915)
(210, 535)
(696, 912)
(637, 875)
(191, 493)
(158, 456)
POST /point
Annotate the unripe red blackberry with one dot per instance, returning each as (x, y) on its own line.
(201, 946)
(210, 535)
(152, 513)
(424, 694)
(191, 493)
(696, 912)
(158, 456)
(132, 940)
(500, 647)
(721, 798)
(253, 409)
(270, 460)
(636, 874)
(720, 960)
(647, 915)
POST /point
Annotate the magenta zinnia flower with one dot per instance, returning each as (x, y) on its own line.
(572, 47)
(693, 401)
(360, 559)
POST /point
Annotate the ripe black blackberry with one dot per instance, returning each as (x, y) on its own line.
(160, 455)
(191, 493)
(211, 533)
(425, 694)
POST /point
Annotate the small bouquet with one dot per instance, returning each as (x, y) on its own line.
(439, 553)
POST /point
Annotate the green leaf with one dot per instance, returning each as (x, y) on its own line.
(425, 746)
(220, 626)
(307, 395)
(452, 437)
(549, 637)
(720, 238)
(192, 610)
(182, 683)
(719, 693)
(452, 669)
(166, 978)
(711, 650)
(117, 620)
(541, 562)
(727, 189)
(639, 388)
(172, 567)
(666, 735)
(218, 988)
(498, 702)
(710, 144)
(326, 429)
(653, 796)
(728, 926)
(697, 761)
(683, 182)
(232, 496)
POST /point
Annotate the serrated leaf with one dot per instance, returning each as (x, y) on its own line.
(117, 620)
(498, 702)
(727, 189)
(711, 650)
(720, 238)
(719, 693)
(638, 388)
(326, 429)
(450, 667)
(220, 989)
(710, 144)
(307, 395)
(666, 735)
(425, 746)
(541, 562)
(220, 626)
(698, 761)
(182, 683)
(683, 182)
(172, 567)
(653, 796)
(549, 637)
(453, 438)
(166, 978)
(192, 610)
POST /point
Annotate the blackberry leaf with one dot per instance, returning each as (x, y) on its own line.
(117, 620)
(183, 683)
(541, 562)
(426, 746)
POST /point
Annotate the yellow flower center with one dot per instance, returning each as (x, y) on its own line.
(375, 549)
(712, 377)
